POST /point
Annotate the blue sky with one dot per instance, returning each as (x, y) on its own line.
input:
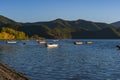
(45, 10)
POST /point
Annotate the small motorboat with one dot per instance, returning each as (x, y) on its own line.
(11, 42)
(55, 40)
(89, 42)
(51, 45)
(78, 43)
(41, 41)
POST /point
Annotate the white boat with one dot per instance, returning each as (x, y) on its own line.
(51, 45)
(11, 42)
(55, 40)
(41, 41)
(89, 42)
(78, 43)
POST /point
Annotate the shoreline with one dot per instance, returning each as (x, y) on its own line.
(7, 73)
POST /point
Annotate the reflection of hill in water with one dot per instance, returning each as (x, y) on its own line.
(8, 48)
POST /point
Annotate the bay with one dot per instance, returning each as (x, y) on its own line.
(97, 61)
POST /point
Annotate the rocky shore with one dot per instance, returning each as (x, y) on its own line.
(7, 73)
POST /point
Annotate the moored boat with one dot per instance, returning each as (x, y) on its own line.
(55, 40)
(89, 42)
(11, 42)
(78, 43)
(51, 45)
(41, 41)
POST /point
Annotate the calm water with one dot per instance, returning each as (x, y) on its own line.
(98, 61)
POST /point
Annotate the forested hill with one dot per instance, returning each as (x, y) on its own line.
(116, 24)
(6, 22)
(63, 29)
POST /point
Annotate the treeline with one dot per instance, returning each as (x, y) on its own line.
(11, 34)
(45, 31)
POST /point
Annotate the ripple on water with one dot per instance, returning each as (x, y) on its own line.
(98, 61)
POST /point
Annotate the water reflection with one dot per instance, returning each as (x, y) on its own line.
(7, 50)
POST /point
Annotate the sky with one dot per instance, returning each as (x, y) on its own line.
(107, 11)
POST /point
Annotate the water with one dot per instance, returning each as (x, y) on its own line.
(98, 61)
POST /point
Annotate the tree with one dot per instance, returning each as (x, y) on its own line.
(9, 33)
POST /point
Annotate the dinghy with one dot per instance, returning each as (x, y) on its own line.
(51, 45)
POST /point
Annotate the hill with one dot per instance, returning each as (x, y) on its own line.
(116, 24)
(78, 29)
(6, 22)
(64, 29)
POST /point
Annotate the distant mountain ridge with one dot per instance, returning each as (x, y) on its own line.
(6, 22)
(116, 24)
(64, 29)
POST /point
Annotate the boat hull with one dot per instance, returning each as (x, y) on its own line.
(51, 45)
(11, 42)
(78, 43)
